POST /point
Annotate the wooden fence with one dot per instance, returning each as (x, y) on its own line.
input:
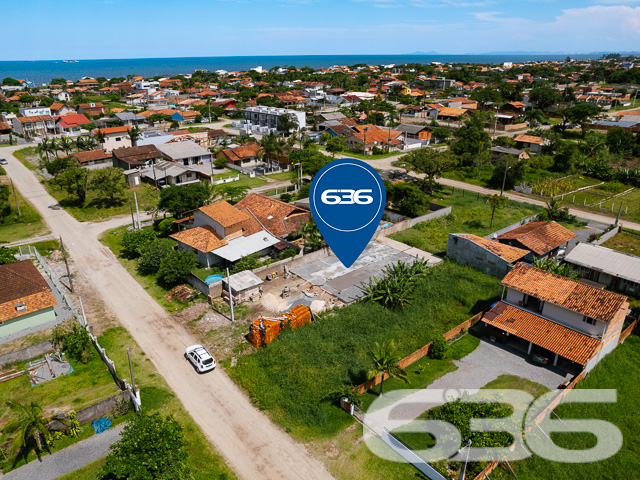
(421, 352)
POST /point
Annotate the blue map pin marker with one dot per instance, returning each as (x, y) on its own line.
(347, 199)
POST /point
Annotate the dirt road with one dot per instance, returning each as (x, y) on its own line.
(252, 445)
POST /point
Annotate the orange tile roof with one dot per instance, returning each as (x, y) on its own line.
(507, 252)
(544, 333)
(247, 150)
(539, 237)
(224, 213)
(203, 239)
(22, 282)
(564, 292)
(278, 217)
(529, 139)
(106, 131)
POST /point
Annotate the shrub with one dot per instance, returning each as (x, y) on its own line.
(177, 265)
(166, 227)
(288, 253)
(133, 241)
(74, 340)
(439, 347)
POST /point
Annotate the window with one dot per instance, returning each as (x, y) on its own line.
(118, 139)
(588, 320)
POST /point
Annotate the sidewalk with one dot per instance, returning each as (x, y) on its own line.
(67, 460)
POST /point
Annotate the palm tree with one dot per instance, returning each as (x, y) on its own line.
(534, 115)
(134, 135)
(88, 143)
(79, 144)
(554, 208)
(384, 360)
(31, 428)
(100, 137)
(44, 148)
(65, 145)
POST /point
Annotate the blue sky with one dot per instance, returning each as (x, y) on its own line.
(173, 28)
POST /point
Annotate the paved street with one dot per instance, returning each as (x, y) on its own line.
(252, 444)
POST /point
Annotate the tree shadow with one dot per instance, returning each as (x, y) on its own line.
(103, 203)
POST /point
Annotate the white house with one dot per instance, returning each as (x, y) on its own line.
(186, 153)
(115, 137)
(262, 119)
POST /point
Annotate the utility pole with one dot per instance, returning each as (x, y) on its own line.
(133, 221)
(619, 212)
(135, 197)
(15, 196)
(64, 254)
(230, 294)
(133, 380)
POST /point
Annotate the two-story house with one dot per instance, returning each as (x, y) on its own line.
(34, 125)
(114, 137)
(576, 322)
(222, 234)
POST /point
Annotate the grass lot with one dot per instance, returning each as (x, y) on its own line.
(87, 384)
(156, 396)
(15, 227)
(616, 371)
(28, 156)
(469, 215)
(299, 377)
(281, 176)
(149, 281)
(95, 209)
(245, 180)
(349, 153)
(470, 175)
(627, 241)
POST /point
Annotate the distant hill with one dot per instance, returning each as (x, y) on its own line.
(425, 53)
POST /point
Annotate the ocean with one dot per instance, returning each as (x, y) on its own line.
(42, 71)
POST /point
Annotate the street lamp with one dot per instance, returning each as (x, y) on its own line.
(364, 148)
(504, 179)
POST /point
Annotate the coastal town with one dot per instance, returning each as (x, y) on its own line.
(167, 299)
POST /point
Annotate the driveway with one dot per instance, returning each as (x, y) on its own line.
(68, 460)
(250, 442)
(483, 365)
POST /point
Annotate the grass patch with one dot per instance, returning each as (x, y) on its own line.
(95, 209)
(471, 214)
(28, 156)
(627, 241)
(299, 377)
(281, 176)
(615, 371)
(88, 384)
(15, 227)
(149, 280)
(513, 382)
(349, 153)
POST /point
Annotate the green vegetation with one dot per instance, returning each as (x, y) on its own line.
(156, 396)
(149, 279)
(513, 382)
(89, 383)
(615, 372)
(470, 214)
(424, 372)
(299, 377)
(95, 209)
(15, 227)
(28, 156)
(627, 241)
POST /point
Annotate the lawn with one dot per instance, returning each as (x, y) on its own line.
(95, 209)
(156, 396)
(15, 227)
(282, 176)
(89, 383)
(470, 214)
(349, 153)
(616, 371)
(299, 378)
(149, 281)
(627, 241)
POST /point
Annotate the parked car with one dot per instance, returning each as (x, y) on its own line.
(3, 161)
(546, 123)
(539, 359)
(200, 358)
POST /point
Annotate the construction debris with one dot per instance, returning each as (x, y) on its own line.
(264, 329)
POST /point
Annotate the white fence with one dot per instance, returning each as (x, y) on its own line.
(227, 180)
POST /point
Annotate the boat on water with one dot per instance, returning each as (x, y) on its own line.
(70, 61)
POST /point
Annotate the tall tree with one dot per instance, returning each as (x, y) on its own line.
(110, 184)
(134, 135)
(496, 202)
(73, 180)
(384, 361)
(150, 447)
(65, 145)
(431, 163)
